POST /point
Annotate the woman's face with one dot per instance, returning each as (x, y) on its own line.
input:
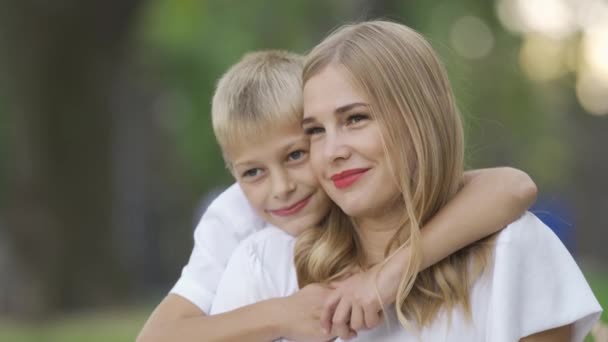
(346, 146)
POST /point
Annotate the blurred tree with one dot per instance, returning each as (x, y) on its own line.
(58, 62)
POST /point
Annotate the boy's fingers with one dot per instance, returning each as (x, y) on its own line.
(372, 318)
(351, 334)
(329, 309)
(340, 321)
(357, 321)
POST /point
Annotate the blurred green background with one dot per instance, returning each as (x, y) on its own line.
(107, 157)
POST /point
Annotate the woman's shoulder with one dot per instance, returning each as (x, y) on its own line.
(526, 232)
(536, 284)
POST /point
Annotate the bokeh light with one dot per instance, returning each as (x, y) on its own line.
(592, 92)
(595, 50)
(471, 37)
(553, 18)
(543, 58)
(562, 36)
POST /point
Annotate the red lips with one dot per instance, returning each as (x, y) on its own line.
(287, 211)
(347, 178)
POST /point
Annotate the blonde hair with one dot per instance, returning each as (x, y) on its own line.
(263, 91)
(411, 99)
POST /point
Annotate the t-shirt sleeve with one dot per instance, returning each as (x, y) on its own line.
(260, 268)
(537, 285)
(228, 220)
(239, 285)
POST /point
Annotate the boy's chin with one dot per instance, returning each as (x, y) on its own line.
(295, 227)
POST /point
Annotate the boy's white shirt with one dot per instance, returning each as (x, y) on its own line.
(533, 285)
(228, 220)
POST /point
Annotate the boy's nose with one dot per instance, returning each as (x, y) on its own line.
(282, 185)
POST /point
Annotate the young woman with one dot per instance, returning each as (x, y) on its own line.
(257, 114)
(387, 147)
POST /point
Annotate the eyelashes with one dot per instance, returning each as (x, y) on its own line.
(314, 130)
(251, 173)
(352, 120)
(292, 158)
(356, 118)
(296, 155)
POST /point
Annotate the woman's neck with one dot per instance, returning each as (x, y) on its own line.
(375, 234)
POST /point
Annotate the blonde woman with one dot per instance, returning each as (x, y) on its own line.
(387, 147)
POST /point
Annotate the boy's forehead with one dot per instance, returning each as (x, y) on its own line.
(274, 141)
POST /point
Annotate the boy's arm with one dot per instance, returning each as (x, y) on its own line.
(489, 200)
(216, 236)
(295, 317)
(232, 318)
(176, 318)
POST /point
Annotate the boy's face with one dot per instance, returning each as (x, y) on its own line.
(275, 175)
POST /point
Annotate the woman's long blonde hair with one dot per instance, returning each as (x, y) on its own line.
(410, 97)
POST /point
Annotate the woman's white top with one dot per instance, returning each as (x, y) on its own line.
(533, 285)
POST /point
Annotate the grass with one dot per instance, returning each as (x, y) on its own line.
(599, 284)
(114, 326)
(123, 325)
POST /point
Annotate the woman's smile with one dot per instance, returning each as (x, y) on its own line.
(347, 178)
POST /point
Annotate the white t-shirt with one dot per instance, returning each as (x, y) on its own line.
(532, 285)
(229, 219)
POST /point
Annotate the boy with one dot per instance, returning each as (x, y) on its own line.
(257, 110)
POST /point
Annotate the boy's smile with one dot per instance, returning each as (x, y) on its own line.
(292, 209)
(275, 175)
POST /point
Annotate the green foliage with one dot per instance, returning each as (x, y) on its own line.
(191, 43)
(4, 138)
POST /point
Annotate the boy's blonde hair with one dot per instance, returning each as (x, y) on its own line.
(263, 91)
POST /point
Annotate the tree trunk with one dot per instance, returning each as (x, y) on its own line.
(58, 61)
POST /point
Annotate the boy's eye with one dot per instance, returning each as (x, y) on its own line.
(251, 173)
(296, 155)
(356, 118)
(313, 130)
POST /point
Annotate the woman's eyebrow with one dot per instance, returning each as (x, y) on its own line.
(308, 120)
(339, 110)
(348, 107)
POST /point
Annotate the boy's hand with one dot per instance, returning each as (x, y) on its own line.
(300, 314)
(355, 302)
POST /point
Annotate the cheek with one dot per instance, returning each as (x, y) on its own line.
(316, 159)
(304, 176)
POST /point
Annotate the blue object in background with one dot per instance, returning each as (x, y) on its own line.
(557, 214)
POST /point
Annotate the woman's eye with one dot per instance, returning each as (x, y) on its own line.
(356, 118)
(296, 155)
(251, 173)
(314, 130)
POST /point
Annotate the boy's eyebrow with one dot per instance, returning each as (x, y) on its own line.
(245, 163)
(290, 145)
(339, 110)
